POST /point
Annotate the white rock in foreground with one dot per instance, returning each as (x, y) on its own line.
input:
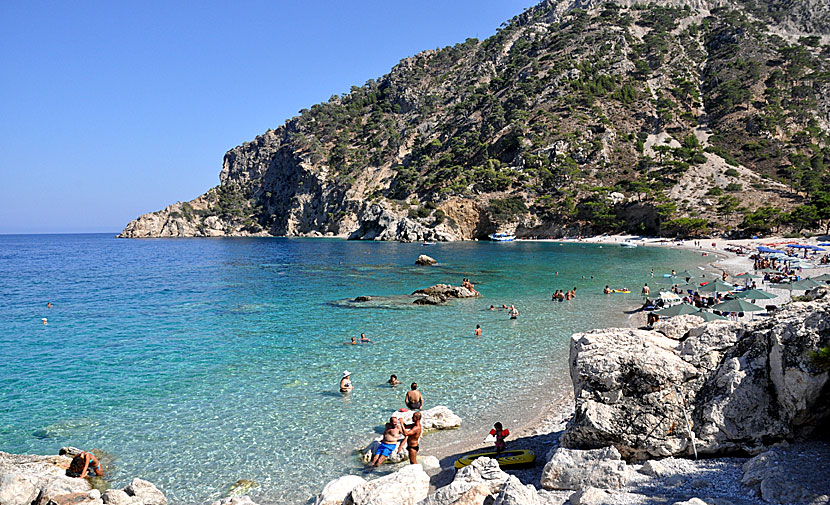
(407, 486)
(574, 469)
(145, 492)
(472, 484)
(235, 500)
(336, 491)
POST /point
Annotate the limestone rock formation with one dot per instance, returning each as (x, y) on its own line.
(425, 260)
(440, 293)
(472, 484)
(576, 469)
(145, 492)
(26, 478)
(771, 479)
(740, 387)
(336, 491)
(460, 142)
(407, 486)
(436, 418)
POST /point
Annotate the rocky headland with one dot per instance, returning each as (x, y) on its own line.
(579, 117)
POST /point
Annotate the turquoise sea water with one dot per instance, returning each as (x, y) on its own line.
(194, 363)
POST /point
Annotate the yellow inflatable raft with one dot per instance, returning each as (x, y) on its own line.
(508, 459)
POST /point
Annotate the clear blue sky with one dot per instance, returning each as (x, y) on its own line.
(113, 109)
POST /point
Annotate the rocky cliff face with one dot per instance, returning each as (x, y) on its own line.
(732, 389)
(577, 116)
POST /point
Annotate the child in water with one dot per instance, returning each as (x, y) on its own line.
(499, 433)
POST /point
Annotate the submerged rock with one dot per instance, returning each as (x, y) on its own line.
(242, 487)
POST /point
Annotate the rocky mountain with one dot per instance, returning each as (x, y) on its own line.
(578, 116)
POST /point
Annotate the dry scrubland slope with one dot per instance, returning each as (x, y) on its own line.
(671, 117)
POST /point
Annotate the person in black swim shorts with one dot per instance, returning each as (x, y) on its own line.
(413, 399)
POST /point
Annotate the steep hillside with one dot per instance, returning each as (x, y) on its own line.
(576, 117)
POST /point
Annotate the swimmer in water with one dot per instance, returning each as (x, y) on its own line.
(44, 320)
(48, 305)
(364, 340)
(353, 342)
(478, 331)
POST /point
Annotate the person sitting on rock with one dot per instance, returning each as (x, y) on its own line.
(391, 433)
(81, 465)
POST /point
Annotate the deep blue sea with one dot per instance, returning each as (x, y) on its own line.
(193, 363)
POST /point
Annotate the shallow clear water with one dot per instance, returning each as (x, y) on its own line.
(196, 362)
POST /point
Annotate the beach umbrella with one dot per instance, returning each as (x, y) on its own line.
(803, 284)
(798, 246)
(825, 243)
(765, 249)
(754, 294)
(737, 305)
(708, 316)
(815, 248)
(747, 275)
(716, 286)
(821, 278)
(685, 274)
(676, 310)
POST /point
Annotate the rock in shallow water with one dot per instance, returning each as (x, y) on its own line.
(425, 260)
(146, 492)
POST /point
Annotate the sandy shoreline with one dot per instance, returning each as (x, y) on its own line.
(541, 431)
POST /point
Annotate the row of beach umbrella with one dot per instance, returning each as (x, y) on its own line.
(737, 302)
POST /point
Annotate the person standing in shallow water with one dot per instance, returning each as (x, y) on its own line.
(478, 330)
(413, 398)
(346, 382)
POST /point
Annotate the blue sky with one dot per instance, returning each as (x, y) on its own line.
(113, 109)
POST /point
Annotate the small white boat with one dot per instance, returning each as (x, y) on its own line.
(502, 237)
(428, 243)
(630, 245)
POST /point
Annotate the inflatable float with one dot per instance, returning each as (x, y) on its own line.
(508, 459)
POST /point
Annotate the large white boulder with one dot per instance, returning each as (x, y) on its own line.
(574, 469)
(472, 484)
(336, 491)
(436, 418)
(407, 486)
(515, 493)
(145, 492)
(723, 388)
